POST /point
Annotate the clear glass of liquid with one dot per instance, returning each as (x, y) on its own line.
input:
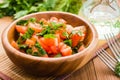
(104, 14)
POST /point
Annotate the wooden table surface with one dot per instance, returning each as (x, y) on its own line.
(94, 70)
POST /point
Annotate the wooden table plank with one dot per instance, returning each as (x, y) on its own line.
(103, 72)
(85, 73)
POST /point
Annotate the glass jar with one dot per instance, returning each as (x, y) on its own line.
(104, 14)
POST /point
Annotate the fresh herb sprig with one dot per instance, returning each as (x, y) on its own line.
(19, 8)
(117, 69)
(28, 34)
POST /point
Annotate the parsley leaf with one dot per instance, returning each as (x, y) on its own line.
(117, 69)
(77, 32)
(28, 34)
(68, 42)
(22, 46)
(22, 22)
(55, 25)
(40, 49)
(49, 36)
(29, 51)
(19, 8)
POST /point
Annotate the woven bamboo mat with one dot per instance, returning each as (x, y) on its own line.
(8, 68)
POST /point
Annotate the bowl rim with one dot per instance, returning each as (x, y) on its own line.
(92, 44)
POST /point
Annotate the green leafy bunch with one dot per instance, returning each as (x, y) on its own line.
(19, 8)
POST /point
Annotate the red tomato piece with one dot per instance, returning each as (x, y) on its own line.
(54, 49)
(36, 27)
(62, 21)
(53, 19)
(75, 39)
(29, 42)
(34, 38)
(44, 46)
(15, 45)
(66, 51)
(21, 29)
(69, 28)
(61, 33)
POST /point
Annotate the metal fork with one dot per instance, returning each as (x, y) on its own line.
(107, 59)
(113, 44)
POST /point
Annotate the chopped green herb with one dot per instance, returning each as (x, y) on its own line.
(117, 69)
(22, 46)
(68, 42)
(65, 34)
(55, 25)
(28, 34)
(117, 24)
(41, 23)
(19, 8)
(22, 22)
(40, 49)
(45, 31)
(49, 36)
(77, 32)
(58, 55)
(29, 51)
(32, 19)
(35, 54)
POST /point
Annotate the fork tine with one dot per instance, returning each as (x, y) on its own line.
(116, 40)
(107, 59)
(113, 45)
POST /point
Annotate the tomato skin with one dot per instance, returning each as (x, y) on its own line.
(29, 42)
(62, 21)
(69, 28)
(15, 45)
(21, 29)
(54, 49)
(53, 19)
(36, 27)
(64, 49)
(42, 43)
(75, 39)
(34, 38)
(61, 32)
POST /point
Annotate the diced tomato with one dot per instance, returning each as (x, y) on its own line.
(29, 42)
(44, 21)
(44, 46)
(53, 19)
(62, 21)
(66, 51)
(54, 49)
(81, 48)
(75, 39)
(58, 37)
(34, 38)
(15, 45)
(69, 28)
(61, 33)
(51, 41)
(36, 27)
(21, 29)
(83, 30)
